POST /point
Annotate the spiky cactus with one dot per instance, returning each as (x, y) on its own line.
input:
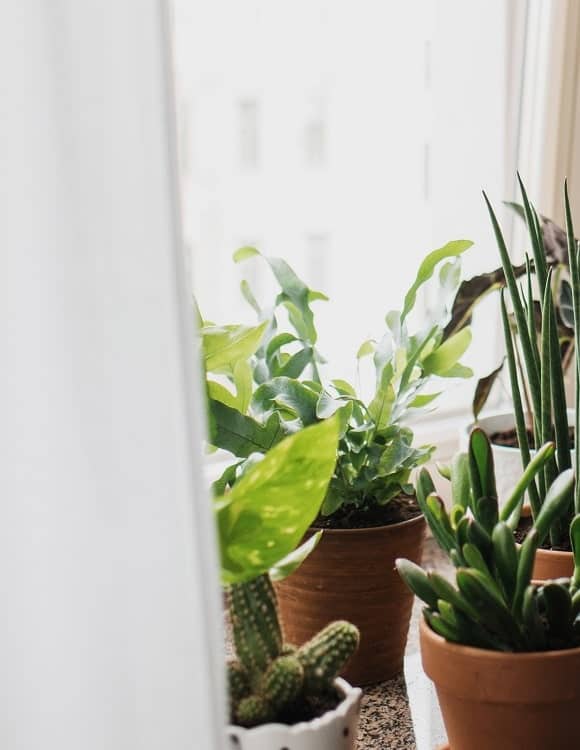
(270, 676)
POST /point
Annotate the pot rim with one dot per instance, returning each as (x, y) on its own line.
(367, 529)
(564, 554)
(350, 702)
(508, 415)
(472, 651)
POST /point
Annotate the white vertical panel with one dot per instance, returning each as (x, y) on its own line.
(108, 583)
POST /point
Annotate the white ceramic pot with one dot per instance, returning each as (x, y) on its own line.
(507, 461)
(335, 730)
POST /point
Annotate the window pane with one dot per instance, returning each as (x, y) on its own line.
(349, 138)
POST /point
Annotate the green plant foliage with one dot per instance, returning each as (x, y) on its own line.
(271, 680)
(494, 604)
(538, 349)
(265, 515)
(376, 452)
(551, 242)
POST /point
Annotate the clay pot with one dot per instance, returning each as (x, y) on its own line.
(491, 699)
(551, 564)
(351, 576)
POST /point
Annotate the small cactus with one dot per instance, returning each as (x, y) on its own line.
(324, 656)
(283, 681)
(252, 711)
(270, 676)
(238, 681)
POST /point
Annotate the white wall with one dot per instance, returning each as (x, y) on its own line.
(108, 590)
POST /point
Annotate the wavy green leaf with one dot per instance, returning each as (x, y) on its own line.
(268, 511)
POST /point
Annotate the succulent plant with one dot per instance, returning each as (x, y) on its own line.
(269, 676)
(494, 603)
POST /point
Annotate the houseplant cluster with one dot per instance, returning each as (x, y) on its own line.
(323, 504)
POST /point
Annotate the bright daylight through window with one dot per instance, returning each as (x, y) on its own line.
(349, 155)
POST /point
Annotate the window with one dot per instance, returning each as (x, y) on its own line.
(248, 113)
(349, 148)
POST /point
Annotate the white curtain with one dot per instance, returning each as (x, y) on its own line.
(109, 625)
(549, 133)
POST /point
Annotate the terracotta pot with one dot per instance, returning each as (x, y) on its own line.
(335, 729)
(351, 576)
(552, 564)
(496, 701)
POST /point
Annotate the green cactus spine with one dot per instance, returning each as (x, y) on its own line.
(283, 681)
(238, 681)
(270, 676)
(324, 656)
(252, 711)
(257, 632)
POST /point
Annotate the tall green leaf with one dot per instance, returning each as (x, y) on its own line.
(427, 268)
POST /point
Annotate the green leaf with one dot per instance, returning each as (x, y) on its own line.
(481, 468)
(422, 400)
(427, 267)
(296, 364)
(248, 295)
(558, 500)
(344, 388)
(270, 508)
(286, 394)
(460, 484)
(483, 390)
(381, 406)
(219, 392)
(417, 580)
(367, 348)
(243, 253)
(278, 342)
(446, 356)
(285, 567)
(242, 376)
(240, 434)
(223, 346)
(514, 501)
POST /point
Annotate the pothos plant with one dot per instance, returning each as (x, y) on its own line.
(264, 382)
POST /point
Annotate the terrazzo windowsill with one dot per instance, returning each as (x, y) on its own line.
(402, 713)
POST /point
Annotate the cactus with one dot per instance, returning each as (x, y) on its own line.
(270, 676)
(325, 654)
(494, 604)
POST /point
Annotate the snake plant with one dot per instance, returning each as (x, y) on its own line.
(494, 604)
(539, 358)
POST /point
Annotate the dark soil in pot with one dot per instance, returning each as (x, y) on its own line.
(402, 508)
(509, 438)
(523, 530)
(308, 709)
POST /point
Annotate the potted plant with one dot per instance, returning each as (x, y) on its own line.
(500, 425)
(281, 695)
(548, 415)
(369, 513)
(503, 652)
